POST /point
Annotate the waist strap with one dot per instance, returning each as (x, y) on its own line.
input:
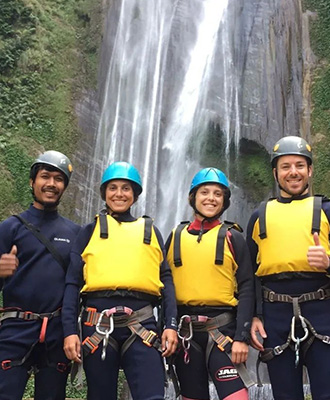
(6, 313)
(321, 294)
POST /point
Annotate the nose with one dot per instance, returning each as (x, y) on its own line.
(51, 181)
(119, 192)
(293, 170)
(211, 196)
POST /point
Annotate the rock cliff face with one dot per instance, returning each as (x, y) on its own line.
(189, 84)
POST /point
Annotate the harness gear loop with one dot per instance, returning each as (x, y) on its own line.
(185, 339)
(43, 330)
(105, 331)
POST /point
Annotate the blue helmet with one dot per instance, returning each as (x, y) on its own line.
(123, 170)
(209, 175)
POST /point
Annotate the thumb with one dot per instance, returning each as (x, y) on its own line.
(13, 250)
(316, 239)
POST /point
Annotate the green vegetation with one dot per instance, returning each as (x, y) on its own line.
(48, 51)
(320, 33)
(248, 166)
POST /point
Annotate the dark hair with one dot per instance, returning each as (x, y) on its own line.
(226, 197)
(38, 167)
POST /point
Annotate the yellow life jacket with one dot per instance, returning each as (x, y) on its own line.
(123, 259)
(202, 276)
(283, 233)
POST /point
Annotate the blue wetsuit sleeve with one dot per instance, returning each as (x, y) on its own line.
(168, 292)
(245, 287)
(7, 233)
(253, 250)
(74, 282)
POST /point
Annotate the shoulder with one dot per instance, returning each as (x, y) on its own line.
(70, 224)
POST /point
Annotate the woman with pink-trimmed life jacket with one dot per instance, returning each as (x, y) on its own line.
(214, 290)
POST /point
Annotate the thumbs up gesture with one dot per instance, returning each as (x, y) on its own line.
(8, 263)
(316, 255)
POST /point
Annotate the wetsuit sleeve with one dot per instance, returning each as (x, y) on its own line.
(253, 250)
(169, 309)
(245, 287)
(74, 282)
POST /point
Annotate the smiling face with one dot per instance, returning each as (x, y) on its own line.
(292, 174)
(119, 195)
(209, 200)
(48, 187)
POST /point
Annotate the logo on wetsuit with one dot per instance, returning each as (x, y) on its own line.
(226, 374)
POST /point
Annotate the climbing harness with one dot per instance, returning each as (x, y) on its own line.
(17, 313)
(117, 317)
(189, 324)
(298, 320)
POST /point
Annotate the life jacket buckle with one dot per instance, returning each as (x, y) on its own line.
(6, 364)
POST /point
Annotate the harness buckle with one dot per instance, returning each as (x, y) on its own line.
(6, 364)
(90, 344)
(90, 316)
(224, 343)
(27, 315)
(277, 350)
(326, 339)
(150, 340)
(322, 293)
(271, 296)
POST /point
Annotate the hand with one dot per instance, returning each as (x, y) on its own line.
(316, 255)
(72, 348)
(9, 263)
(239, 352)
(257, 327)
(169, 342)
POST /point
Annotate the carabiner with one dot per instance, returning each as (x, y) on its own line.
(190, 331)
(105, 331)
(304, 326)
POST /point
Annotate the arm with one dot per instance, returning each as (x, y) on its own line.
(169, 336)
(73, 284)
(245, 308)
(257, 325)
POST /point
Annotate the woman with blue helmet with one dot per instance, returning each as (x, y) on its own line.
(214, 290)
(119, 267)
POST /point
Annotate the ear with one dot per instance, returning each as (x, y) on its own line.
(275, 174)
(310, 170)
(31, 183)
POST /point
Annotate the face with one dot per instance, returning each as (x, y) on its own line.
(293, 173)
(119, 195)
(48, 188)
(209, 200)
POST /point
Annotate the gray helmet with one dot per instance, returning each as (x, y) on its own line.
(291, 145)
(54, 159)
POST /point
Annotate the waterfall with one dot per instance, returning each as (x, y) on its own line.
(173, 72)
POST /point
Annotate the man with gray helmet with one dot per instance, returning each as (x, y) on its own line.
(34, 254)
(288, 238)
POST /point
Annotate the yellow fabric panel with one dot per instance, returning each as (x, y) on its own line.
(122, 261)
(288, 227)
(199, 281)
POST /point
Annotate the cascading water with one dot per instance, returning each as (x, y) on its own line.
(174, 70)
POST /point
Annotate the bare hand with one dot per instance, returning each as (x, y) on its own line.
(169, 342)
(72, 348)
(239, 352)
(9, 263)
(316, 255)
(257, 327)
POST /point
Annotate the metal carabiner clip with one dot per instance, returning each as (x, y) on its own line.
(105, 331)
(304, 326)
(190, 331)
